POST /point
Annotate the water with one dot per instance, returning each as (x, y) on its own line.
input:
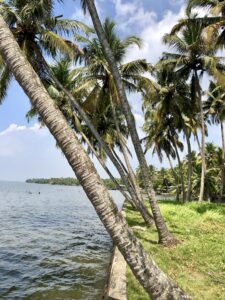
(52, 244)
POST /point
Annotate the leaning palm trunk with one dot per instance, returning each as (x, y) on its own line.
(203, 172)
(106, 169)
(155, 282)
(222, 192)
(189, 189)
(165, 236)
(115, 160)
(129, 168)
(139, 202)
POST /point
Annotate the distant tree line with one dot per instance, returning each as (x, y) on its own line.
(69, 182)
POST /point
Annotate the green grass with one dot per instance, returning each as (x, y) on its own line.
(197, 264)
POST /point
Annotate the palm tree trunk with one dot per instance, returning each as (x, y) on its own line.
(139, 200)
(165, 237)
(189, 189)
(118, 186)
(222, 192)
(180, 171)
(198, 142)
(155, 282)
(175, 177)
(202, 186)
(129, 168)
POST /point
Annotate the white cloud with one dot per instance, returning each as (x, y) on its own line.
(152, 35)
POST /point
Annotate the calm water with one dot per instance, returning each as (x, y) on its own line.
(52, 244)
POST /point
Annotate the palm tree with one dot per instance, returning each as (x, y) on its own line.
(159, 138)
(96, 77)
(164, 235)
(37, 32)
(215, 109)
(100, 117)
(170, 98)
(155, 282)
(190, 61)
(213, 33)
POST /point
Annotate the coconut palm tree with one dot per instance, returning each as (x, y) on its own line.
(170, 98)
(158, 138)
(96, 77)
(213, 33)
(155, 282)
(215, 110)
(191, 59)
(38, 32)
(164, 235)
(101, 119)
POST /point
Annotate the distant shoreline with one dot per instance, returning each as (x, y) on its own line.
(69, 182)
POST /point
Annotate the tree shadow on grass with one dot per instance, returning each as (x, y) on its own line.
(203, 208)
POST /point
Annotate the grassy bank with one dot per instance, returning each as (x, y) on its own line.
(198, 262)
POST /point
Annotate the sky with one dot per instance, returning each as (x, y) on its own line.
(28, 151)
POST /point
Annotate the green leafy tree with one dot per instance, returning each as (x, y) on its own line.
(191, 59)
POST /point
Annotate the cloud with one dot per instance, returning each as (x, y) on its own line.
(18, 128)
(152, 34)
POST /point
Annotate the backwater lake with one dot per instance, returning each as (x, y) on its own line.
(52, 245)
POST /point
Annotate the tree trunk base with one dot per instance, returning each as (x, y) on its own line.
(169, 241)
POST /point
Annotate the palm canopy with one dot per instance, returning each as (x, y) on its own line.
(191, 55)
(215, 103)
(214, 6)
(95, 80)
(96, 74)
(38, 32)
(169, 95)
(102, 119)
(214, 32)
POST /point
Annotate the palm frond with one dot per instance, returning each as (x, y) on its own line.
(67, 26)
(54, 44)
(132, 40)
(5, 79)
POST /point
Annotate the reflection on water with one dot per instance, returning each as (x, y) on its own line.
(53, 245)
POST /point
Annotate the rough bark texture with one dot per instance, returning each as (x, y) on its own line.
(155, 282)
(202, 186)
(190, 170)
(222, 191)
(165, 236)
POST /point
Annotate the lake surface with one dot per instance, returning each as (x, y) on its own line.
(52, 245)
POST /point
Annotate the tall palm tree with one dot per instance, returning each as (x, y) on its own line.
(170, 98)
(214, 33)
(155, 282)
(215, 109)
(100, 117)
(191, 59)
(38, 32)
(164, 235)
(96, 77)
(159, 138)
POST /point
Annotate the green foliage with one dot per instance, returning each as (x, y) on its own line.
(165, 182)
(197, 263)
(70, 182)
(38, 32)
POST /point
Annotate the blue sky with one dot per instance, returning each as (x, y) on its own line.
(27, 151)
